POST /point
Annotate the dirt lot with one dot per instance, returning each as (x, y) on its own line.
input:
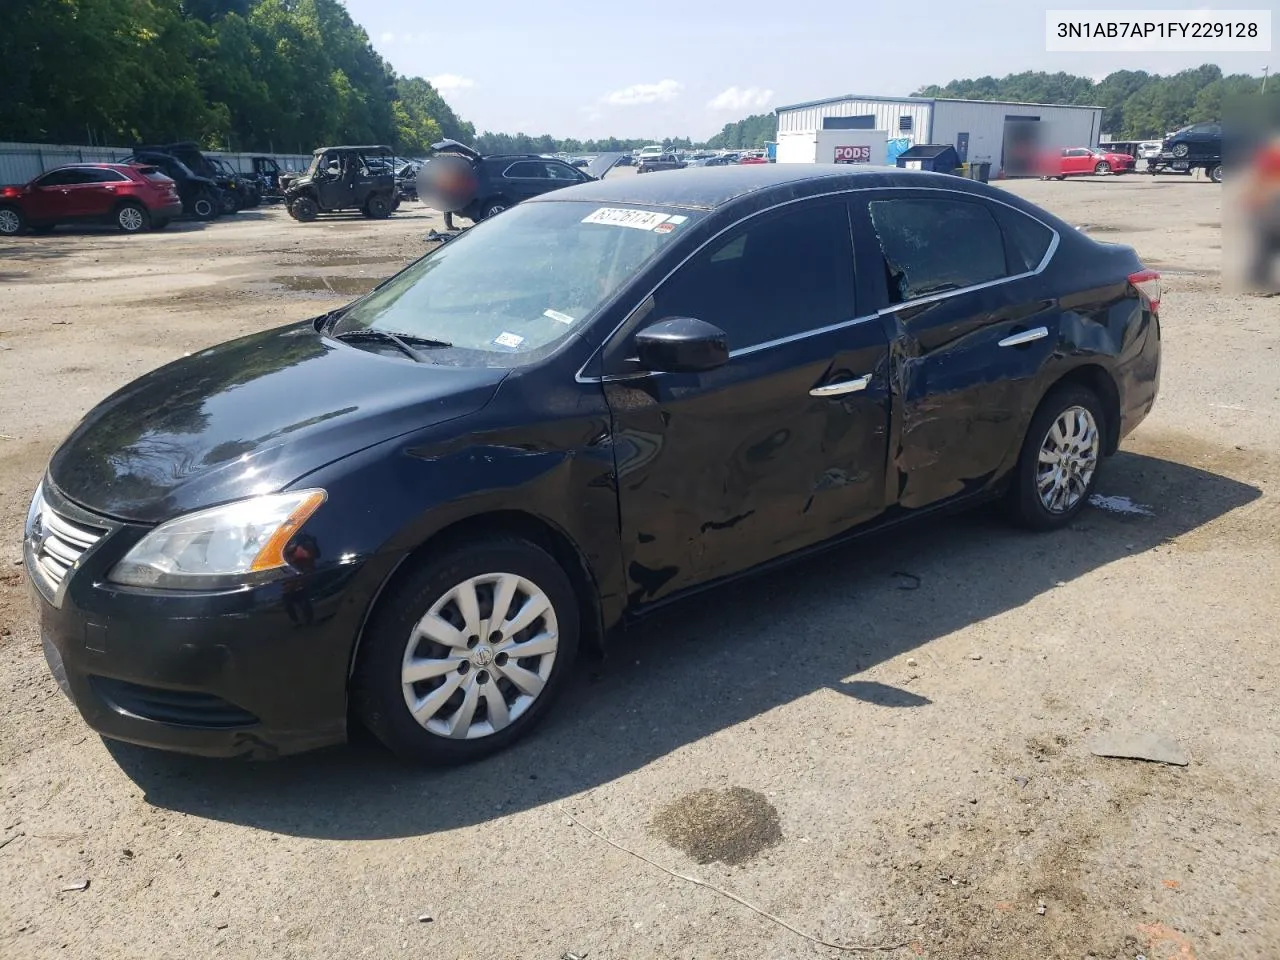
(870, 763)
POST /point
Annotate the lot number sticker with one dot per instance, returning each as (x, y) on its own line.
(617, 217)
(508, 339)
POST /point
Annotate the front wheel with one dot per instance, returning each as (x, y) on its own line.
(230, 203)
(1102, 167)
(468, 652)
(304, 209)
(1058, 466)
(1215, 173)
(493, 208)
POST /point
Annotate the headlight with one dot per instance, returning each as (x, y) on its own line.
(33, 511)
(227, 546)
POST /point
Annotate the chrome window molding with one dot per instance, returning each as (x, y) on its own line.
(582, 377)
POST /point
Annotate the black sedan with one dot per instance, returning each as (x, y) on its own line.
(609, 397)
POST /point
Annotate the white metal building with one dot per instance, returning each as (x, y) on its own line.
(980, 130)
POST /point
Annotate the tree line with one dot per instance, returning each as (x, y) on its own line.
(283, 75)
(1136, 105)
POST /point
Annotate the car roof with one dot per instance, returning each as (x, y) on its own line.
(708, 188)
(118, 167)
(365, 146)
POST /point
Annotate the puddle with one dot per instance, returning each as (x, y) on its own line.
(320, 259)
(731, 826)
(340, 286)
(1121, 505)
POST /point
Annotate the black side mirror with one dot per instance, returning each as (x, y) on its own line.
(681, 345)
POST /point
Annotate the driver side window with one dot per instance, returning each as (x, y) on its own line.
(776, 276)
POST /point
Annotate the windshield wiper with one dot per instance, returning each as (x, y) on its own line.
(404, 341)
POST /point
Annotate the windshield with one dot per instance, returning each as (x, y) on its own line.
(519, 284)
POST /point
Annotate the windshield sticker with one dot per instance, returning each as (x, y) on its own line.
(508, 340)
(664, 228)
(616, 217)
(558, 316)
(675, 219)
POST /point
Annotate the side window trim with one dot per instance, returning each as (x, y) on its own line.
(857, 194)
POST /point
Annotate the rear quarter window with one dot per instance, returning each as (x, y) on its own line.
(1026, 241)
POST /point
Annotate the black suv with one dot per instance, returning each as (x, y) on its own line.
(201, 196)
(494, 183)
(233, 194)
(1198, 146)
(344, 178)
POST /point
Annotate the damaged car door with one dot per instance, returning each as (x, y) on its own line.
(970, 327)
(782, 445)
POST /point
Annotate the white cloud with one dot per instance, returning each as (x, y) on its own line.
(661, 92)
(739, 99)
(450, 82)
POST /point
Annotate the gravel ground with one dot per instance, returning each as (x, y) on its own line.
(870, 761)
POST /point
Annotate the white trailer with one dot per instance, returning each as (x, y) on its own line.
(833, 146)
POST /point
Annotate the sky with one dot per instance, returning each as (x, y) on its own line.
(660, 68)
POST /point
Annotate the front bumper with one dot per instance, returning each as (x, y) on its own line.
(255, 672)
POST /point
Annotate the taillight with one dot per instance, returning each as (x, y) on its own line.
(10, 191)
(1147, 283)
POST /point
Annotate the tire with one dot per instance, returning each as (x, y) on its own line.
(1102, 168)
(1215, 173)
(12, 222)
(132, 218)
(304, 209)
(1058, 417)
(206, 207)
(473, 672)
(378, 207)
(230, 203)
(493, 207)
(1061, 176)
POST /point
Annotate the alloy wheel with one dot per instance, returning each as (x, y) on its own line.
(130, 219)
(203, 207)
(1068, 459)
(10, 222)
(480, 656)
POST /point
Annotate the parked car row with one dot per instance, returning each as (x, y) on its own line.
(154, 185)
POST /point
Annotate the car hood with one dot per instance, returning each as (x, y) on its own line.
(251, 416)
(599, 166)
(453, 146)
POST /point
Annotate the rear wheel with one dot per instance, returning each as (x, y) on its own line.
(132, 218)
(205, 206)
(1215, 173)
(304, 209)
(377, 207)
(1180, 150)
(12, 222)
(493, 208)
(1058, 466)
(468, 652)
(1102, 167)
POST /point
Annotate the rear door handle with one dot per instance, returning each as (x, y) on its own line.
(843, 386)
(1026, 336)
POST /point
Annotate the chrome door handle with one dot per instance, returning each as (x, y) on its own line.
(844, 386)
(1026, 336)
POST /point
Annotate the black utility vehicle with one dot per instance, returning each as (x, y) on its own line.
(479, 187)
(345, 178)
(201, 196)
(415, 509)
(233, 195)
(246, 188)
(1196, 147)
(267, 171)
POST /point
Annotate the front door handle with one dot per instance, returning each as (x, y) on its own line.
(843, 386)
(1026, 336)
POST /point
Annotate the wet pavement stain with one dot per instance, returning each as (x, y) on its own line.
(349, 259)
(732, 825)
(346, 286)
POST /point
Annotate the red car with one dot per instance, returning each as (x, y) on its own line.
(134, 198)
(1077, 161)
(753, 160)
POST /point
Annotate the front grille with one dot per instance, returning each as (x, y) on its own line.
(60, 543)
(184, 708)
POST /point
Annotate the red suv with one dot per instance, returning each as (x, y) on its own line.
(134, 198)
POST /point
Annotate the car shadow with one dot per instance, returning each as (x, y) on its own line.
(707, 664)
